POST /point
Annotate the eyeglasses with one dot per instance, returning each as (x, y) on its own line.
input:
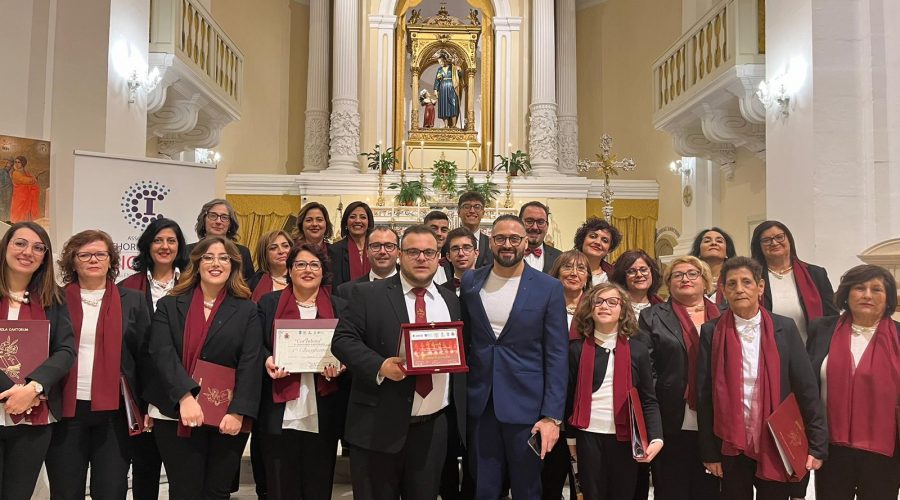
(609, 301)
(466, 249)
(513, 239)
(414, 253)
(535, 222)
(634, 271)
(690, 275)
(87, 256)
(212, 217)
(302, 265)
(571, 267)
(465, 207)
(21, 244)
(209, 258)
(778, 238)
(388, 247)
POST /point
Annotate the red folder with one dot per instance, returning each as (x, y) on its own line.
(216, 392)
(24, 346)
(132, 411)
(638, 427)
(786, 426)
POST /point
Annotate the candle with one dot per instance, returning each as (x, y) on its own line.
(403, 153)
(379, 156)
(467, 156)
(508, 148)
(489, 166)
(422, 156)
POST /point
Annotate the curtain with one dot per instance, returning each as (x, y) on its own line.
(635, 219)
(259, 214)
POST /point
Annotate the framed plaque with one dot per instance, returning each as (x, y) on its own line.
(429, 348)
(304, 345)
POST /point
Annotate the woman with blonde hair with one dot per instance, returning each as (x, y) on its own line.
(271, 269)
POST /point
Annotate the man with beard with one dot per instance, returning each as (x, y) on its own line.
(383, 248)
(515, 320)
(538, 255)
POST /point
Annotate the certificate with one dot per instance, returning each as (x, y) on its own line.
(304, 345)
(432, 348)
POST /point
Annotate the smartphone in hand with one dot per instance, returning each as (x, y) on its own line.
(534, 442)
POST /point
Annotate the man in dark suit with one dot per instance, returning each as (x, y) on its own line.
(461, 256)
(538, 255)
(383, 247)
(396, 425)
(439, 222)
(759, 361)
(470, 208)
(518, 346)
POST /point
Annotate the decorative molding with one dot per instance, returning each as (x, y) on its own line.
(512, 23)
(315, 143)
(568, 144)
(382, 21)
(543, 132)
(724, 125)
(344, 134)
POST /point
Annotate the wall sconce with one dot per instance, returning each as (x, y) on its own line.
(148, 83)
(207, 156)
(777, 92)
(677, 167)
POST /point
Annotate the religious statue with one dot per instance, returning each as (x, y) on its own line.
(426, 100)
(446, 83)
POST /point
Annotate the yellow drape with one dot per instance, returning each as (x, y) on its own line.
(635, 219)
(259, 214)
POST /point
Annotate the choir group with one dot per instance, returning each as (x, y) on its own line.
(559, 346)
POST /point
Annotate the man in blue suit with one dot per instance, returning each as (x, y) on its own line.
(515, 320)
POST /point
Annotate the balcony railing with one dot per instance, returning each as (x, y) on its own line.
(726, 36)
(187, 30)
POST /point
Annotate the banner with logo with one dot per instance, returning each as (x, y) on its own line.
(122, 195)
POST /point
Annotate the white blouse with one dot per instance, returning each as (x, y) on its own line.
(786, 300)
(87, 342)
(302, 414)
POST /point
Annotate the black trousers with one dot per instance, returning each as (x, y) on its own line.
(678, 473)
(298, 465)
(22, 451)
(849, 472)
(414, 473)
(257, 463)
(739, 479)
(556, 470)
(98, 439)
(452, 487)
(202, 465)
(605, 466)
(146, 465)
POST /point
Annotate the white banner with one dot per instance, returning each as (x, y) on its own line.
(122, 195)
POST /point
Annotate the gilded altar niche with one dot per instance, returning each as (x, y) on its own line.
(444, 95)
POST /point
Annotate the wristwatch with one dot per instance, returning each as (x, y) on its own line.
(555, 421)
(38, 388)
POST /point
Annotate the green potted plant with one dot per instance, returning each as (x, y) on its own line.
(410, 192)
(487, 189)
(384, 162)
(444, 173)
(515, 164)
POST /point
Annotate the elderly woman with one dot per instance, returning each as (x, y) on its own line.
(794, 288)
(714, 246)
(856, 359)
(348, 256)
(314, 225)
(208, 316)
(638, 273)
(596, 238)
(271, 262)
(751, 360)
(217, 218)
(29, 292)
(110, 324)
(302, 414)
(604, 364)
(670, 330)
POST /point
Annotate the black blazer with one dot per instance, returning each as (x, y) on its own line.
(485, 257)
(62, 355)
(826, 293)
(550, 256)
(641, 378)
(246, 259)
(135, 332)
(368, 333)
(345, 290)
(234, 341)
(332, 408)
(796, 376)
(340, 263)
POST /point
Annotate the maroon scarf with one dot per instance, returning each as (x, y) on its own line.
(607, 267)
(288, 388)
(137, 281)
(740, 436)
(359, 260)
(860, 398)
(806, 289)
(581, 407)
(107, 351)
(720, 293)
(692, 344)
(264, 286)
(655, 299)
(196, 328)
(574, 334)
(40, 414)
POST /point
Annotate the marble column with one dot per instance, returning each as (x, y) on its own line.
(504, 28)
(315, 144)
(344, 129)
(543, 144)
(384, 79)
(567, 86)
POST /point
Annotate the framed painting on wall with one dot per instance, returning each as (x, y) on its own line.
(24, 180)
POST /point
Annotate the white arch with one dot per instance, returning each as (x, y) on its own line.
(501, 7)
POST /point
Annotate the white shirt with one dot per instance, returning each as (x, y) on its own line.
(637, 307)
(689, 423)
(375, 277)
(597, 279)
(158, 290)
(440, 277)
(498, 296)
(536, 262)
(302, 414)
(859, 342)
(786, 300)
(749, 331)
(87, 342)
(5, 418)
(602, 419)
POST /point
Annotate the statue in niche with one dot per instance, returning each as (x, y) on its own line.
(446, 84)
(428, 102)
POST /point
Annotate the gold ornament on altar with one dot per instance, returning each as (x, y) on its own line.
(608, 165)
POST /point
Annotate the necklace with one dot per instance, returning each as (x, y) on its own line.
(91, 302)
(306, 305)
(782, 274)
(281, 281)
(570, 309)
(161, 284)
(20, 297)
(208, 304)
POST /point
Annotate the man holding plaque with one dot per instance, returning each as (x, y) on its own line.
(516, 327)
(396, 427)
(383, 247)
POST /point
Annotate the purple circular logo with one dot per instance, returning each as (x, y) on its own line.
(139, 203)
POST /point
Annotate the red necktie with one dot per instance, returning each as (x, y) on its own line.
(423, 382)
(536, 251)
